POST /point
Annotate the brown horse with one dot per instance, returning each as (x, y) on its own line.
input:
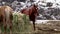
(32, 12)
(6, 17)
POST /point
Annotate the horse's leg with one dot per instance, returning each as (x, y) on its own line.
(4, 25)
(11, 27)
(11, 24)
(34, 25)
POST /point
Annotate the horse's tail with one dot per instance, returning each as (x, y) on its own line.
(8, 12)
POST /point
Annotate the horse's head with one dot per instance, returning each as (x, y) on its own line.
(35, 7)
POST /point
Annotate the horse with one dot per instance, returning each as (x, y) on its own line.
(32, 12)
(6, 17)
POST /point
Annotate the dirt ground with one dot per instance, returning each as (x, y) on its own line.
(51, 27)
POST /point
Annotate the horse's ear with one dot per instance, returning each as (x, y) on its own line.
(34, 5)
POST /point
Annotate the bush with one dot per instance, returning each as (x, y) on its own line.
(21, 23)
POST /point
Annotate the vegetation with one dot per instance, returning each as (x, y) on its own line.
(21, 23)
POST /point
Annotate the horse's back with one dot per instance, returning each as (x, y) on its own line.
(27, 11)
